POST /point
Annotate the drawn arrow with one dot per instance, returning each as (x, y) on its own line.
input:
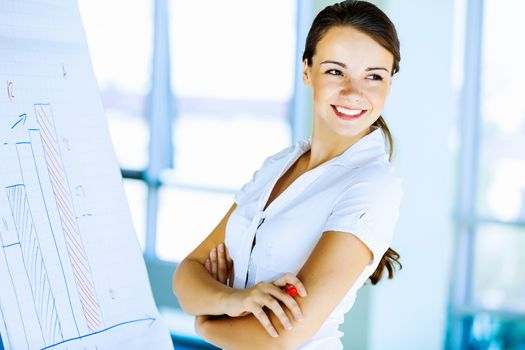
(147, 318)
(150, 318)
(22, 118)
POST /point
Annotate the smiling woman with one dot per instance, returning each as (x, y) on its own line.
(319, 215)
(350, 78)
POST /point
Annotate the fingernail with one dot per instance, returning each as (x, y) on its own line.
(221, 247)
(288, 326)
(273, 333)
(213, 252)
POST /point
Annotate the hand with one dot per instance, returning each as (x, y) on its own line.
(220, 265)
(264, 294)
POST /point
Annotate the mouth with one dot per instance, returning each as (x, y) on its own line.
(348, 113)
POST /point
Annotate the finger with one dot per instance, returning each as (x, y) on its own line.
(222, 268)
(289, 278)
(213, 258)
(272, 304)
(232, 274)
(231, 269)
(228, 257)
(288, 301)
(207, 265)
(265, 321)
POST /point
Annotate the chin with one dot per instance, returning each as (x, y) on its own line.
(348, 134)
(352, 131)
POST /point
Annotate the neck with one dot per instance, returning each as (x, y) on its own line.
(325, 147)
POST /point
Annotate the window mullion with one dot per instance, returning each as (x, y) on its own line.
(160, 115)
(469, 129)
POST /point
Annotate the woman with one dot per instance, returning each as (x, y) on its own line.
(318, 215)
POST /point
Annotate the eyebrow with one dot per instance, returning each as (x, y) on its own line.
(334, 62)
(344, 66)
(377, 68)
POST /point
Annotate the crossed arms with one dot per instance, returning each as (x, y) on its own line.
(233, 318)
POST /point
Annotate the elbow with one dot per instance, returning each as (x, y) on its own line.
(175, 283)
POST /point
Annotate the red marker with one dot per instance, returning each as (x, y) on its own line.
(291, 290)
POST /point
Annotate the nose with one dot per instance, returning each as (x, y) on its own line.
(350, 88)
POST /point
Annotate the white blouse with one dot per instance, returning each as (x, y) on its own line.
(356, 192)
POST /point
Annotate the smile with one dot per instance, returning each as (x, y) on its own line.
(347, 113)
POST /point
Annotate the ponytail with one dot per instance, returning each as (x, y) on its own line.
(391, 257)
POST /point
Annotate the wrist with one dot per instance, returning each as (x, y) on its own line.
(225, 299)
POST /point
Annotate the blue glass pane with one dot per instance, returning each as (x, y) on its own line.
(486, 332)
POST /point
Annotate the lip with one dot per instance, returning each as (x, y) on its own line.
(348, 117)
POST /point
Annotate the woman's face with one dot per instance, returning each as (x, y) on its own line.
(350, 76)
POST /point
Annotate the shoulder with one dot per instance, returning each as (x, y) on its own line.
(378, 177)
(369, 206)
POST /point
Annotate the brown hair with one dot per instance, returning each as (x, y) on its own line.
(370, 20)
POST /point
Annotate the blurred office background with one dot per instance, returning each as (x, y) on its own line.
(198, 93)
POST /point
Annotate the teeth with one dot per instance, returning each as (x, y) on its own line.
(348, 111)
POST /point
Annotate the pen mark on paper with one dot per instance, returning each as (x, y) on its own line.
(10, 88)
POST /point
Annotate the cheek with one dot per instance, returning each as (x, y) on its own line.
(378, 96)
(323, 89)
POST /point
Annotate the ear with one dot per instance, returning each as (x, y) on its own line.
(307, 74)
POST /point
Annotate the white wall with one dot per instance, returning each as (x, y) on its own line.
(409, 312)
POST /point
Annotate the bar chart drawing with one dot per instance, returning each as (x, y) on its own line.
(72, 273)
(62, 194)
(21, 246)
(43, 298)
(41, 168)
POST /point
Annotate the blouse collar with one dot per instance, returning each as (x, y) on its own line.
(368, 148)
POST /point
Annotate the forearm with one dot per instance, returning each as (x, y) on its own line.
(197, 291)
(238, 333)
(245, 332)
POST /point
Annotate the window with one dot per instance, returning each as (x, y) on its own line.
(233, 89)
(488, 298)
(181, 83)
(231, 94)
(120, 48)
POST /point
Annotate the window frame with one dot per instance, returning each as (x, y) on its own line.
(462, 309)
(160, 114)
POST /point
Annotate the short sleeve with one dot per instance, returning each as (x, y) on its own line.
(369, 210)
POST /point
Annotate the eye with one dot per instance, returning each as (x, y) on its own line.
(374, 77)
(334, 72)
